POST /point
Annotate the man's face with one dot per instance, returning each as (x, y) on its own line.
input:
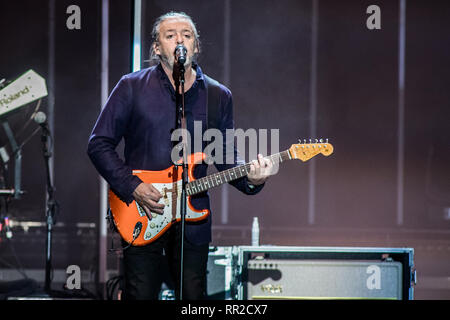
(174, 31)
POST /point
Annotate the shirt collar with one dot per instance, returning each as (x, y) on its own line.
(199, 73)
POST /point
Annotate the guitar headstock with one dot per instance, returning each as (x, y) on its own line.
(306, 150)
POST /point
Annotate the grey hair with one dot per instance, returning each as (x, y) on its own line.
(154, 58)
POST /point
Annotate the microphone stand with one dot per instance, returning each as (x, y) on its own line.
(50, 210)
(182, 121)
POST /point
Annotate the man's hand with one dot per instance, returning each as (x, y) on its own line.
(148, 196)
(260, 170)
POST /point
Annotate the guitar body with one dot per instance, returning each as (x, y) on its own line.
(169, 183)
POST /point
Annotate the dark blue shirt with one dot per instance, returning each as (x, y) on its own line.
(141, 110)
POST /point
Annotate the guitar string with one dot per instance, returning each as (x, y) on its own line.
(275, 158)
(220, 178)
(212, 181)
(174, 200)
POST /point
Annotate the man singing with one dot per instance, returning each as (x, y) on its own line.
(142, 110)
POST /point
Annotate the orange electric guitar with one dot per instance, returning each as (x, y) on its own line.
(136, 228)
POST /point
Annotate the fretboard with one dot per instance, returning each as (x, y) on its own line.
(219, 178)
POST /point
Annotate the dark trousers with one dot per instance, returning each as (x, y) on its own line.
(146, 267)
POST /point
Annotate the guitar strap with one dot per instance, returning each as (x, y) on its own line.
(212, 102)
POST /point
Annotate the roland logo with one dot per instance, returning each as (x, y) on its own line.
(271, 288)
(7, 100)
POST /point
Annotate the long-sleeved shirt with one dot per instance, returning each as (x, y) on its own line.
(142, 110)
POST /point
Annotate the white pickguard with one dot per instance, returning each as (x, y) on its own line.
(160, 221)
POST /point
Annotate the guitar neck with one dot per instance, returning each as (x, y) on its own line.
(222, 177)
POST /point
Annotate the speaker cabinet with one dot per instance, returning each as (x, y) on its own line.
(273, 272)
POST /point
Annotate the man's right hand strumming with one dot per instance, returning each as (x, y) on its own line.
(148, 196)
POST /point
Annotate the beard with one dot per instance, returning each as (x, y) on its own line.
(169, 60)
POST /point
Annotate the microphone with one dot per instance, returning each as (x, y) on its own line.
(180, 54)
(41, 119)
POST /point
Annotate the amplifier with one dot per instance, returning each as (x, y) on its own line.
(271, 272)
(329, 279)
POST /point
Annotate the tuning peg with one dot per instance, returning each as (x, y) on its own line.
(309, 140)
(326, 141)
(321, 140)
(317, 140)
